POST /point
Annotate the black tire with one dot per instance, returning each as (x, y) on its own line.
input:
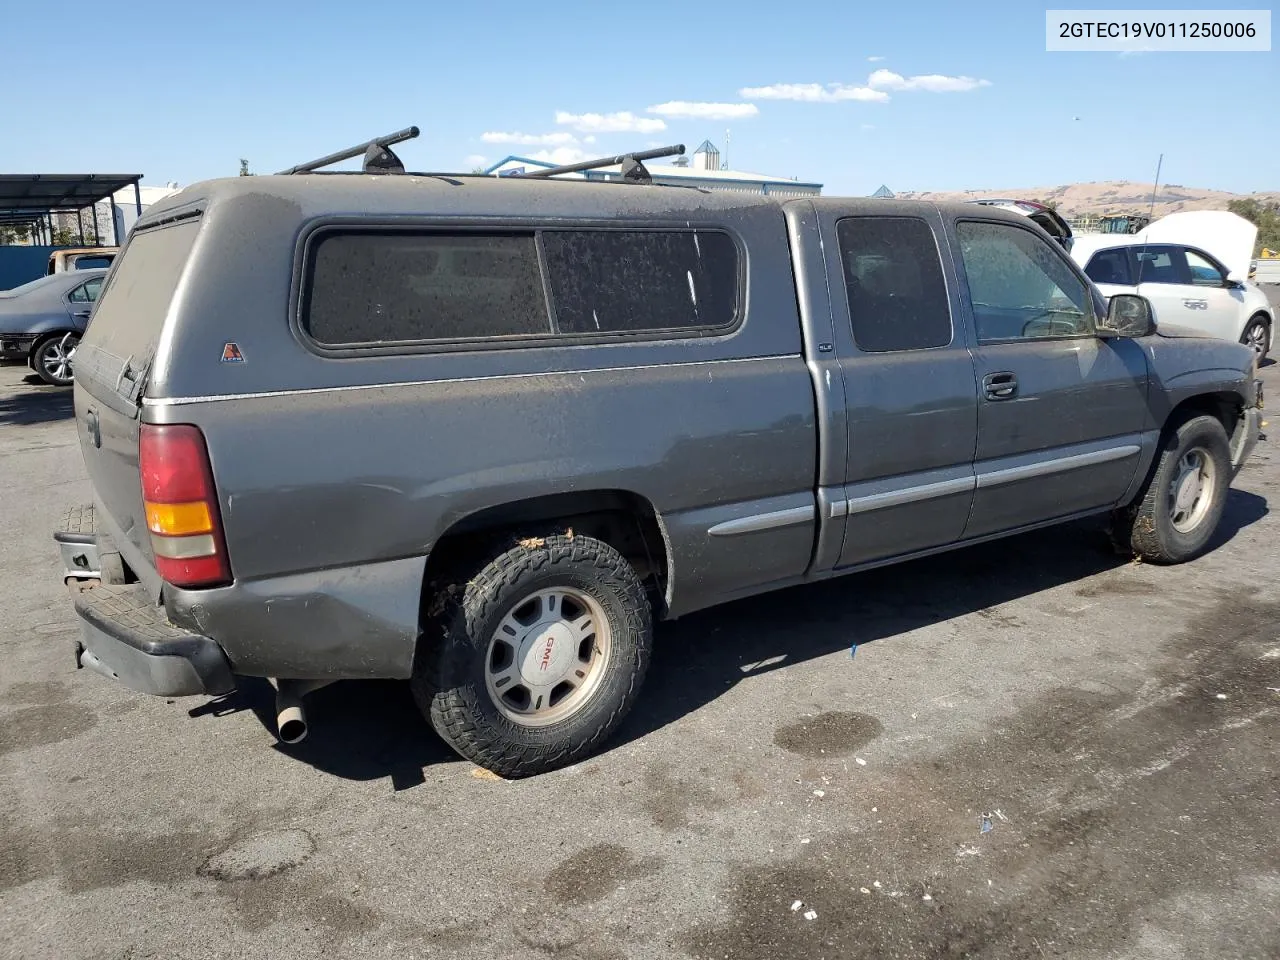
(1251, 337)
(1148, 525)
(455, 657)
(47, 363)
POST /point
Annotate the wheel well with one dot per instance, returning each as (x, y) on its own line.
(1225, 406)
(624, 520)
(43, 338)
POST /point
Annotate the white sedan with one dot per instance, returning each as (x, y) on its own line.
(1187, 285)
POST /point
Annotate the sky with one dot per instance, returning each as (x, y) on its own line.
(919, 96)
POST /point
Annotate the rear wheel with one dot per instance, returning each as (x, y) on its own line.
(52, 359)
(1257, 334)
(1183, 501)
(539, 658)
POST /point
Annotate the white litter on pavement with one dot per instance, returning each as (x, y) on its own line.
(804, 840)
(875, 809)
(926, 897)
(1002, 816)
(1222, 696)
(876, 884)
(863, 890)
(811, 914)
(796, 905)
(819, 793)
(859, 761)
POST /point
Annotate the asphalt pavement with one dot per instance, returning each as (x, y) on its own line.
(1030, 749)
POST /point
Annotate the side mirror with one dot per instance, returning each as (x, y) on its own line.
(1128, 315)
(1234, 279)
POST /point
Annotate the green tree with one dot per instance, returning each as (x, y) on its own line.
(15, 234)
(65, 238)
(1265, 215)
(244, 168)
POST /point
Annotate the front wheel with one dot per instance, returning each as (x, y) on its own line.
(52, 360)
(1257, 334)
(540, 658)
(1180, 507)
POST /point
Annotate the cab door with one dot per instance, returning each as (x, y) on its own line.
(1062, 413)
(908, 380)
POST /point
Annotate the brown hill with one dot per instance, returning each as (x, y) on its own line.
(1107, 196)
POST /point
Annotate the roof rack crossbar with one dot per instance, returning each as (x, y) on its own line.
(622, 158)
(377, 147)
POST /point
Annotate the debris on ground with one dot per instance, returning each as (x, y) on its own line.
(863, 890)
(819, 793)
(811, 914)
(986, 823)
(859, 761)
(1003, 818)
(796, 905)
(876, 884)
(926, 898)
(804, 840)
(1222, 696)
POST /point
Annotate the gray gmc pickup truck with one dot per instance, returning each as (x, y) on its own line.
(478, 433)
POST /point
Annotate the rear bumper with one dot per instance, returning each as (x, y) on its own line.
(127, 637)
(15, 346)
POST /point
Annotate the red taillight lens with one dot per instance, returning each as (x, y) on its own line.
(182, 506)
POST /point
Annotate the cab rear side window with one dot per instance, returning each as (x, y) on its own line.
(372, 287)
(893, 280)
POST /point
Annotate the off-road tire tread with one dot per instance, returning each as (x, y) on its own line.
(456, 631)
(1136, 525)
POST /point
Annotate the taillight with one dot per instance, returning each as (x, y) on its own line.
(182, 506)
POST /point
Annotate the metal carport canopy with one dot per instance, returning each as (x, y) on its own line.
(31, 199)
(44, 192)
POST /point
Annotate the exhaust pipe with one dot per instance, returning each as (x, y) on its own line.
(291, 716)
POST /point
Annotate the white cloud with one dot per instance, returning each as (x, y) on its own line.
(622, 122)
(685, 110)
(814, 93)
(874, 59)
(476, 160)
(560, 156)
(530, 139)
(931, 82)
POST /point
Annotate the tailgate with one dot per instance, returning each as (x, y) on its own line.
(111, 365)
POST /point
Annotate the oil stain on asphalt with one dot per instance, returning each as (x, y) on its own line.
(835, 734)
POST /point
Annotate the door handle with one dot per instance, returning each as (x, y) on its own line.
(1000, 386)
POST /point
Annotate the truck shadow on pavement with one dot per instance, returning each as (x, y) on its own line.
(372, 729)
(34, 403)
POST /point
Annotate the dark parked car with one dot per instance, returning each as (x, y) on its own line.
(479, 433)
(42, 322)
